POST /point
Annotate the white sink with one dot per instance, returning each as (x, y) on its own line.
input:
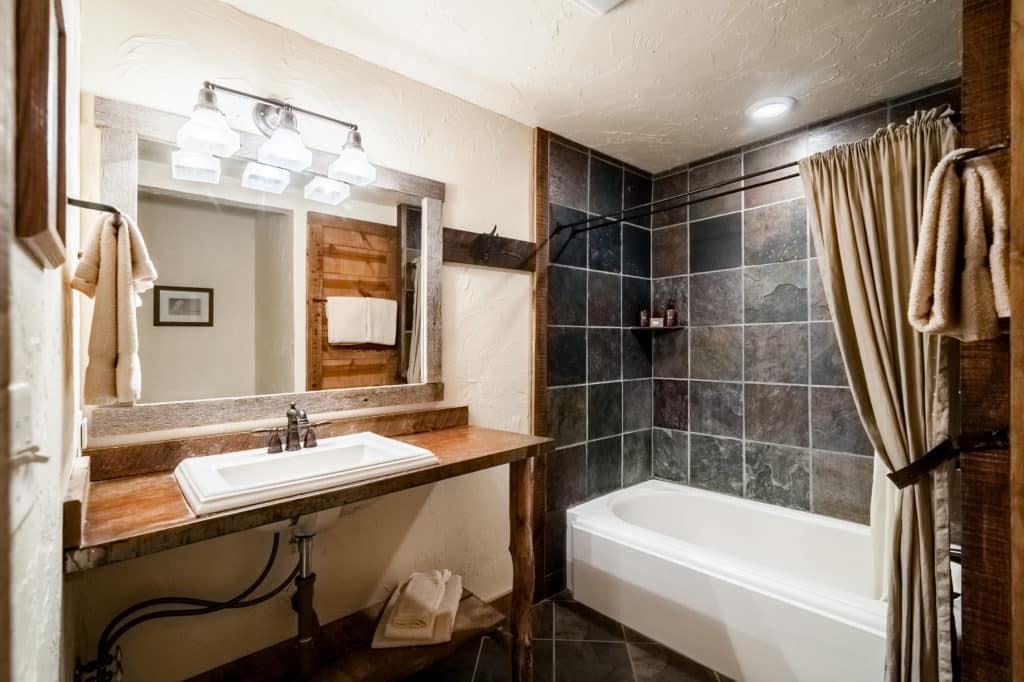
(238, 479)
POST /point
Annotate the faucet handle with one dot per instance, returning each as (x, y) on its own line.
(309, 440)
(274, 442)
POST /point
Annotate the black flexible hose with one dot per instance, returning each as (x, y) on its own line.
(107, 640)
(199, 612)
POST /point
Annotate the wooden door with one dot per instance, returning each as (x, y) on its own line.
(348, 257)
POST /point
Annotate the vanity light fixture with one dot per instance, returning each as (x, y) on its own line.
(351, 166)
(195, 166)
(772, 107)
(206, 135)
(264, 178)
(207, 129)
(326, 191)
(284, 149)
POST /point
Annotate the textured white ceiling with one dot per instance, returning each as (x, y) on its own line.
(654, 82)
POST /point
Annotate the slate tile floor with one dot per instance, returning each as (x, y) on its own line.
(573, 643)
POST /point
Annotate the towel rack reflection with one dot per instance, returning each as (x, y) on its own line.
(94, 206)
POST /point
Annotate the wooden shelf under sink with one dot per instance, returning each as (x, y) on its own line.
(345, 654)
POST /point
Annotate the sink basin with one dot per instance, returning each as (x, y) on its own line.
(239, 479)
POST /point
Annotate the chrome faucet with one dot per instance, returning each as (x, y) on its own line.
(297, 420)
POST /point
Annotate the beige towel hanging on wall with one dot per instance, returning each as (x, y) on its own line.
(961, 284)
(114, 270)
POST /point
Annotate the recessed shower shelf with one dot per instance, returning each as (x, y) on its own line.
(657, 329)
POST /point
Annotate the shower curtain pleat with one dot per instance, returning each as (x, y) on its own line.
(865, 203)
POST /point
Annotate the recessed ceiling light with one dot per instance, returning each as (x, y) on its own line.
(769, 108)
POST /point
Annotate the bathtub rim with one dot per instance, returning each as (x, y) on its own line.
(598, 518)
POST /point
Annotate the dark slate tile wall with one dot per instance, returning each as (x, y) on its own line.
(752, 399)
(600, 392)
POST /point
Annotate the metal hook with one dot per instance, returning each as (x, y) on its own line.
(485, 244)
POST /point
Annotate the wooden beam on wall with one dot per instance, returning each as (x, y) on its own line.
(492, 251)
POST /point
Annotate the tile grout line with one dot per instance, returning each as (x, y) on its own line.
(629, 652)
(743, 332)
(689, 339)
(650, 295)
(476, 662)
(622, 269)
(586, 357)
(810, 372)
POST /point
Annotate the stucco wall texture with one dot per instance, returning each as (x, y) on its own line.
(157, 54)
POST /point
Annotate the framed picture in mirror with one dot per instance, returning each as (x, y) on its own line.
(182, 306)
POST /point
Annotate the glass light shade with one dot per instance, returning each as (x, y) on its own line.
(265, 178)
(195, 166)
(207, 130)
(326, 191)
(284, 149)
(352, 167)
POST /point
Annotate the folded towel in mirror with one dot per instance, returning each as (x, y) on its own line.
(440, 631)
(356, 319)
(381, 321)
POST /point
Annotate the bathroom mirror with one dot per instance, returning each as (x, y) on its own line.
(267, 296)
(254, 278)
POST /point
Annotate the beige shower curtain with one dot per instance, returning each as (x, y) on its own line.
(865, 202)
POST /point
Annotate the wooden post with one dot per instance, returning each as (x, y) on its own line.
(520, 485)
(1017, 338)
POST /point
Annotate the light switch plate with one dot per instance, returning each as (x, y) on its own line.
(22, 483)
(22, 436)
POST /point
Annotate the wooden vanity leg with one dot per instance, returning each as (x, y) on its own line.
(520, 483)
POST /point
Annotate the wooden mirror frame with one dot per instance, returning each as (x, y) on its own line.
(121, 126)
(41, 159)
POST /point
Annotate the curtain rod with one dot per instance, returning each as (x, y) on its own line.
(626, 214)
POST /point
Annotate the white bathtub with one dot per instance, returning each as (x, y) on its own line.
(754, 591)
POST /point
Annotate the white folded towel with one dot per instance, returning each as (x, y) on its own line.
(381, 321)
(418, 604)
(443, 625)
(356, 319)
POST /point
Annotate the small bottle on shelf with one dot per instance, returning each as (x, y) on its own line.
(645, 318)
(671, 316)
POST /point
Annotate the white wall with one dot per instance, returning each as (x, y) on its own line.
(197, 245)
(157, 53)
(275, 342)
(44, 355)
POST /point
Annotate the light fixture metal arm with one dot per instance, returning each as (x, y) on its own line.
(278, 103)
